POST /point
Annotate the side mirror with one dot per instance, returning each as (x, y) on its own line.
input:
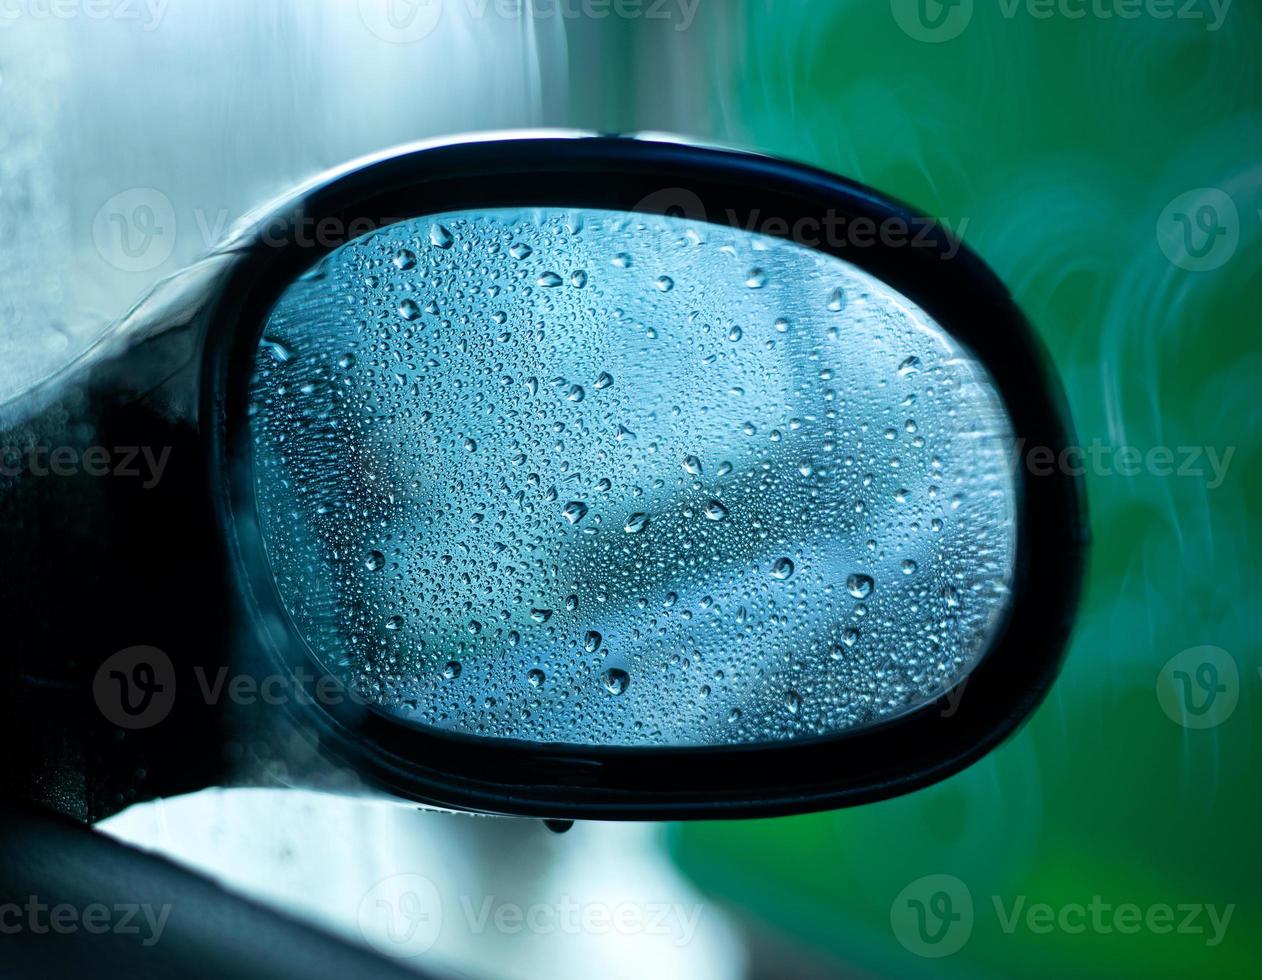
(621, 478)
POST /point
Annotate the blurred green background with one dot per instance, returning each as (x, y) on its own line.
(1062, 141)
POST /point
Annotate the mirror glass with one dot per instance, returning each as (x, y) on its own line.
(600, 478)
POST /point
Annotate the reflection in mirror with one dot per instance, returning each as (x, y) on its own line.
(609, 479)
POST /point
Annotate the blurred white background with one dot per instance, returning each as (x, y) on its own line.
(460, 895)
(133, 133)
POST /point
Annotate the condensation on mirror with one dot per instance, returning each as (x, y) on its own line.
(595, 478)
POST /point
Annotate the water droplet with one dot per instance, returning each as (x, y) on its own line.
(715, 511)
(859, 586)
(578, 279)
(491, 358)
(756, 279)
(574, 511)
(281, 353)
(394, 622)
(452, 670)
(665, 283)
(540, 615)
(909, 366)
(793, 701)
(909, 567)
(837, 300)
(636, 523)
(409, 310)
(439, 236)
(615, 680)
(535, 677)
(548, 280)
(622, 260)
(575, 393)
